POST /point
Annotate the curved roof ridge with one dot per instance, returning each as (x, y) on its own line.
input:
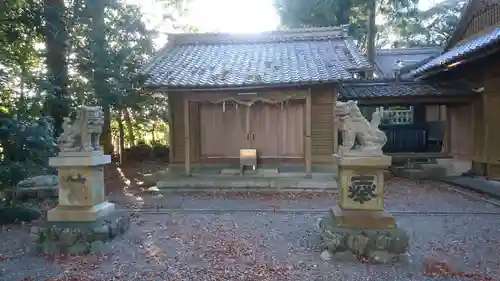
(410, 50)
(317, 33)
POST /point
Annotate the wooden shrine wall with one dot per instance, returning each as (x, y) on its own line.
(491, 138)
(177, 129)
(323, 132)
(461, 131)
(435, 113)
(485, 137)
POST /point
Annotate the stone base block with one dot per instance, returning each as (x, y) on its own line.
(378, 161)
(382, 245)
(80, 214)
(78, 237)
(35, 192)
(79, 159)
(363, 219)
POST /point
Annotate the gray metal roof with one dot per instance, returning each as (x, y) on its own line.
(369, 89)
(213, 60)
(385, 59)
(458, 52)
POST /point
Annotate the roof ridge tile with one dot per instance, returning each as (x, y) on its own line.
(302, 34)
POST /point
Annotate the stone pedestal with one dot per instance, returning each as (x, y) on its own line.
(362, 191)
(81, 192)
(83, 220)
(359, 224)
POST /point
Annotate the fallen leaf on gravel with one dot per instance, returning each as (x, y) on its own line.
(439, 268)
(263, 196)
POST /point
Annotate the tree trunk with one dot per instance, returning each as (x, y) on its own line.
(56, 36)
(372, 32)
(121, 137)
(344, 11)
(21, 104)
(106, 139)
(153, 128)
(130, 128)
(99, 59)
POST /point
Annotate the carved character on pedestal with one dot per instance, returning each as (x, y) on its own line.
(362, 189)
(75, 187)
(83, 134)
(352, 125)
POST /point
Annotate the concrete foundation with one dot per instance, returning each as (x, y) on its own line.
(282, 177)
(281, 181)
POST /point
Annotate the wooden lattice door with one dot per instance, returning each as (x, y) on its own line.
(264, 130)
(223, 130)
(277, 132)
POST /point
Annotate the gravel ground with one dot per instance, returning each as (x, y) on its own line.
(268, 246)
(400, 195)
(258, 246)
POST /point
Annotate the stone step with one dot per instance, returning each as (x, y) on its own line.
(455, 167)
(432, 167)
(414, 174)
(427, 166)
(249, 172)
(434, 171)
(445, 162)
(204, 183)
(405, 162)
(265, 176)
(398, 171)
(425, 171)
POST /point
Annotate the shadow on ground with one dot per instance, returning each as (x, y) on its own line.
(131, 176)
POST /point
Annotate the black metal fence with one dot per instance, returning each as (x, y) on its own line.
(419, 136)
(405, 138)
(424, 138)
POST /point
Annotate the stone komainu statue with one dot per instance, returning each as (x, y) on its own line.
(83, 134)
(352, 125)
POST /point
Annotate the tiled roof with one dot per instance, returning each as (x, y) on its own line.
(367, 89)
(214, 60)
(385, 59)
(405, 72)
(459, 51)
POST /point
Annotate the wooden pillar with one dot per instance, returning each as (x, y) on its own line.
(419, 114)
(487, 132)
(493, 153)
(170, 130)
(308, 143)
(486, 127)
(473, 131)
(187, 146)
(447, 133)
(335, 126)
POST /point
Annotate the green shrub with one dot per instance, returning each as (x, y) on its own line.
(25, 148)
(17, 213)
(144, 152)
